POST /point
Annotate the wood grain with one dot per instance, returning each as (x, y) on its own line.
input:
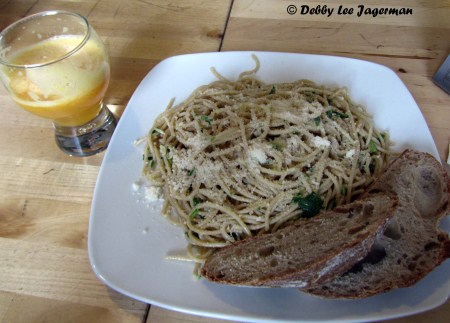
(42, 310)
(53, 273)
(160, 315)
(45, 195)
(413, 46)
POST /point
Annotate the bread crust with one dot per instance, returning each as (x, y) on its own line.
(235, 264)
(423, 187)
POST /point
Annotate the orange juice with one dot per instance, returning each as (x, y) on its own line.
(68, 91)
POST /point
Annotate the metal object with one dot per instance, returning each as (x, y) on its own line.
(442, 76)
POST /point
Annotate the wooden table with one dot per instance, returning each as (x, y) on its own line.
(45, 196)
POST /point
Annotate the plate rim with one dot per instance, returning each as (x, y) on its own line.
(93, 261)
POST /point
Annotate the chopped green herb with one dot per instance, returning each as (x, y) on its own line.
(373, 147)
(273, 90)
(331, 113)
(317, 121)
(157, 130)
(206, 119)
(149, 160)
(344, 190)
(278, 143)
(311, 204)
(191, 172)
(194, 213)
(196, 200)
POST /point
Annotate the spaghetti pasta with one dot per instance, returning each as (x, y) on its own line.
(242, 157)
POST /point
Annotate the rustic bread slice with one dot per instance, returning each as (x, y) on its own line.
(412, 245)
(307, 252)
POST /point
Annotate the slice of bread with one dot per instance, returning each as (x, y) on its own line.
(307, 252)
(412, 245)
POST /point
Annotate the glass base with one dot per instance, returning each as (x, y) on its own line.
(88, 139)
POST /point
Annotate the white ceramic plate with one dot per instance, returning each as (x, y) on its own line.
(128, 240)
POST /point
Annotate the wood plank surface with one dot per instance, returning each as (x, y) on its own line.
(45, 196)
(54, 273)
(413, 46)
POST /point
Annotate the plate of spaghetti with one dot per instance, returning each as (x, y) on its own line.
(217, 147)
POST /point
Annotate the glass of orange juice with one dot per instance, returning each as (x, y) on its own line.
(54, 65)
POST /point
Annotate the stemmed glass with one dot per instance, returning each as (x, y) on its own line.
(54, 65)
